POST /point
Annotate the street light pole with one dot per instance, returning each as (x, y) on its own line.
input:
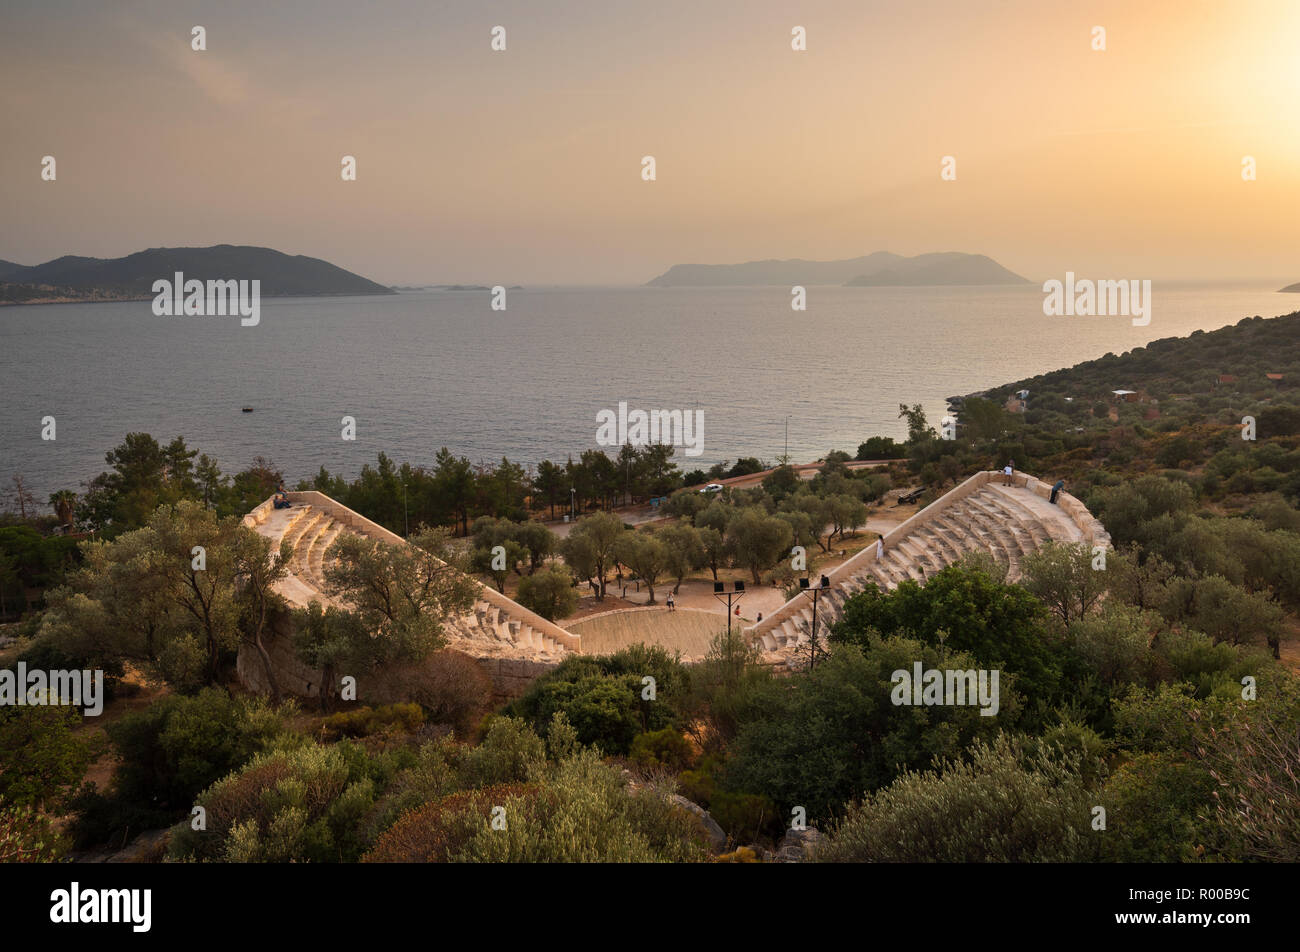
(737, 594)
(816, 591)
(406, 513)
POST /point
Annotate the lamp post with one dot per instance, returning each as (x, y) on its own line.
(815, 590)
(406, 513)
(573, 503)
(737, 593)
(786, 460)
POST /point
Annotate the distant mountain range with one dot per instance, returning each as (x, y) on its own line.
(74, 278)
(881, 269)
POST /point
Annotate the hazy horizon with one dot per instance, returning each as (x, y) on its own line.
(524, 166)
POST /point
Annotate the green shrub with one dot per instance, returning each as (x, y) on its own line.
(1001, 807)
(663, 749)
(434, 775)
(305, 805)
(365, 721)
(179, 745)
(436, 831)
(584, 813)
(725, 688)
(168, 753)
(1152, 804)
(603, 697)
(744, 817)
(825, 737)
(510, 752)
(41, 759)
(1000, 625)
(27, 836)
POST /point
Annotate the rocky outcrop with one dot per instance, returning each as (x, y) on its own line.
(797, 846)
(717, 838)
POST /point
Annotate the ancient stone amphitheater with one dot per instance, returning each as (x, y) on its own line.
(515, 645)
(981, 514)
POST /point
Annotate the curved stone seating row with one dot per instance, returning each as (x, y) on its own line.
(980, 515)
(486, 629)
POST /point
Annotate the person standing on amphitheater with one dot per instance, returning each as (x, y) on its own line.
(880, 547)
(1007, 472)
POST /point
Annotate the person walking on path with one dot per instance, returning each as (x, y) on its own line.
(880, 547)
(672, 605)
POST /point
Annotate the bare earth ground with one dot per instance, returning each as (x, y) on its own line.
(700, 614)
(686, 630)
(101, 770)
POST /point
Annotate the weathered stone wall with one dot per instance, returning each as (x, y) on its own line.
(509, 677)
(291, 675)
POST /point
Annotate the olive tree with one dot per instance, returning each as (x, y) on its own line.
(400, 593)
(757, 541)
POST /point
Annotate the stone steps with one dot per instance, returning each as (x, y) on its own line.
(320, 545)
(292, 518)
(920, 554)
(501, 629)
(1012, 538)
(1025, 515)
(301, 526)
(302, 549)
(974, 535)
(1009, 523)
(937, 542)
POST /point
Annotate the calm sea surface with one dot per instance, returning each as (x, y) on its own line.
(428, 369)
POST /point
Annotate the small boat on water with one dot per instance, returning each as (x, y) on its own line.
(248, 409)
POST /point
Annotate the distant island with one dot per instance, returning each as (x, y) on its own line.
(450, 287)
(78, 279)
(881, 269)
(1291, 288)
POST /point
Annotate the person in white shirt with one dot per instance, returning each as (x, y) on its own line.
(880, 547)
(1007, 471)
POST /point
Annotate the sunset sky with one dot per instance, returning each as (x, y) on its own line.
(524, 166)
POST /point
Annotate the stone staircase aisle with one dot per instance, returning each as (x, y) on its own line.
(980, 515)
(494, 625)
